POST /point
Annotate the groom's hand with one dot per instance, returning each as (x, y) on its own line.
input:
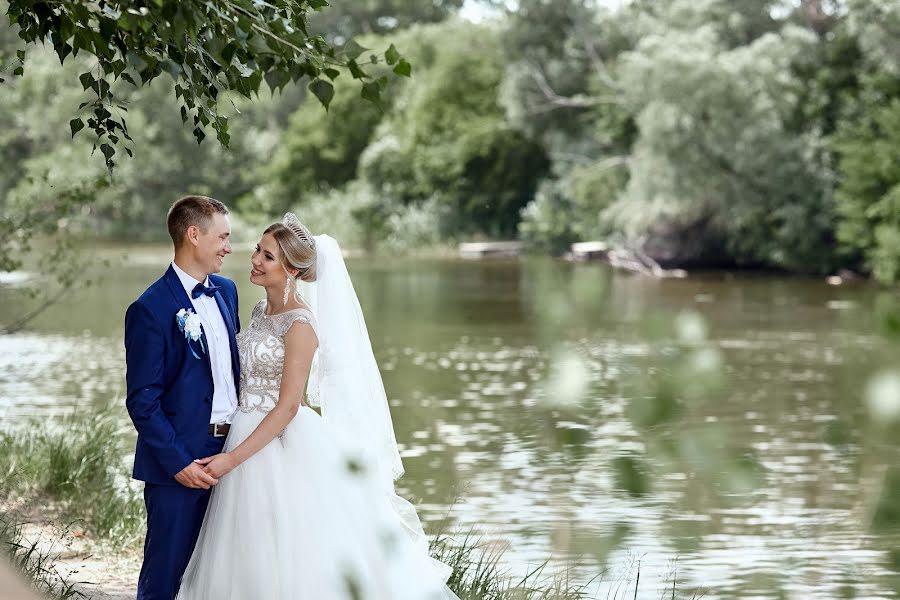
(193, 476)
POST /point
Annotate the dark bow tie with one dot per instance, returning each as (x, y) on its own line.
(201, 289)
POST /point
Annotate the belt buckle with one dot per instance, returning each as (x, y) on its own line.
(216, 430)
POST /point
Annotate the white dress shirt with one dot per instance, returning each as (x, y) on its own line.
(224, 402)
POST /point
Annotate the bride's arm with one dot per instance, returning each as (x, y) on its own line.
(300, 344)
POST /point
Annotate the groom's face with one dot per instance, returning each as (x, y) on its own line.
(213, 245)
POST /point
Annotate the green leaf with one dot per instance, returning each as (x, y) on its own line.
(371, 91)
(323, 90)
(391, 55)
(86, 79)
(63, 50)
(331, 73)
(403, 68)
(352, 50)
(355, 70)
(254, 81)
(277, 79)
(107, 150)
(76, 125)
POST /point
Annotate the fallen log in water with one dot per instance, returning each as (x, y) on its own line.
(625, 258)
(491, 249)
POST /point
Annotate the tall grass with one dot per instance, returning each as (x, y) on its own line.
(36, 561)
(76, 465)
(477, 575)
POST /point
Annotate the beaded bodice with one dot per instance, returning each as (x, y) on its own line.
(261, 352)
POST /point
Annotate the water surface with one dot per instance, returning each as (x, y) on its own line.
(570, 413)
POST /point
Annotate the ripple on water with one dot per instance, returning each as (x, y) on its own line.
(47, 374)
(478, 415)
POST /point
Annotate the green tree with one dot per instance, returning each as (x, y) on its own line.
(452, 141)
(318, 151)
(869, 193)
(866, 142)
(208, 48)
(718, 149)
(134, 201)
(562, 86)
(112, 56)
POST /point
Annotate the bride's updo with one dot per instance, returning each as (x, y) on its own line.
(298, 248)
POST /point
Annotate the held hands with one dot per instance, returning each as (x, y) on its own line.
(193, 476)
(218, 465)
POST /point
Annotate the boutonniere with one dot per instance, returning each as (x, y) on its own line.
(189, 324)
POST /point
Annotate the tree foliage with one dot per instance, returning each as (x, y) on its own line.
(714, 132)
(718, 117)
(452, 141)
(208, 49)
(867, 141)
(714, 143)
(317, 151)
(869, 195)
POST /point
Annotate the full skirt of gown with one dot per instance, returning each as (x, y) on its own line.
(299, 521)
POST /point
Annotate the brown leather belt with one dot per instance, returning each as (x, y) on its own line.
(219, 429)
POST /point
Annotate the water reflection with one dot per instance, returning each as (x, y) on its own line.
(550, 400)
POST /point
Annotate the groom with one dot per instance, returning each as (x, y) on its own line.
(182, 382)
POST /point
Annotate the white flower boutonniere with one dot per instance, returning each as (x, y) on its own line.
(190, 325)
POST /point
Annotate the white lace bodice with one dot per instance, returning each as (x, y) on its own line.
(261, 352)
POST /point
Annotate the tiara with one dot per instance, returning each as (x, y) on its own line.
(293, 223)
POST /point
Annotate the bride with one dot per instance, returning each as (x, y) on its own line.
(306, 507)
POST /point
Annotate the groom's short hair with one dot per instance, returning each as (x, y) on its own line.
(191, 210)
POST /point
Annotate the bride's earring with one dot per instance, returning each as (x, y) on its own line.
(287, 290)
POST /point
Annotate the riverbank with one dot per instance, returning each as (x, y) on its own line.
(72, 562)
(80, 566)
(76, 565)
(73, 523)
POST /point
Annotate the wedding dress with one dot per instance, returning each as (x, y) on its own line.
(301, 519)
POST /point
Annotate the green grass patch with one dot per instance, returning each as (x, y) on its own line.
(76, 465)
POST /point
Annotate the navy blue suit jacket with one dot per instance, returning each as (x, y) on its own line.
(169, 390)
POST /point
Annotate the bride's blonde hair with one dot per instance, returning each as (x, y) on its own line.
(295, 253)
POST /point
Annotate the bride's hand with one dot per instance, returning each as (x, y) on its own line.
(217, 465)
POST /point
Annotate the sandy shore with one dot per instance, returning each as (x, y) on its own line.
(99, 571)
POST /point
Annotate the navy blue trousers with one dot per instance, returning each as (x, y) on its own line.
(174, 516)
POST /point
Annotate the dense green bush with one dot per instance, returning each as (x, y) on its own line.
(447, 139)
(869, 193)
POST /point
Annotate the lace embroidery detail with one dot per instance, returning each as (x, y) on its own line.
(261, 352)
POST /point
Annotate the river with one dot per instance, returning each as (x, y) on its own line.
(714, 428)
